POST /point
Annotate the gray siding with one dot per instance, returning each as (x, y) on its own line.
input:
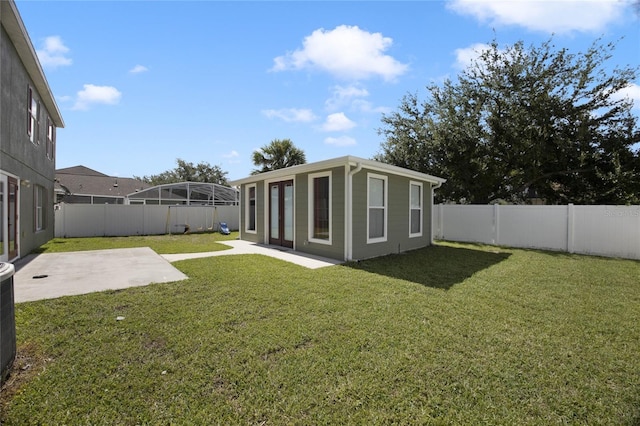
(398, 239)
(337, 249)
(18, 155)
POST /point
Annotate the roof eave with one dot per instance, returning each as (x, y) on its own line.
(337, 162)
(16, 30)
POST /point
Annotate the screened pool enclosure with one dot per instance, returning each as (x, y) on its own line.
(186, 194)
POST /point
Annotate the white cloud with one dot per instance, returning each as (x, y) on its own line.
(366, 106)
(291, 114)
(232, 154)
(345, 52)
(551, 16)
(342, 96)
(340, 141)
(465, 56)
(337, 122)
(138, 69)
(53, 54)
(631, 92)
(92, 94)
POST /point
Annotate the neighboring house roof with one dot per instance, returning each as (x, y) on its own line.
(337, 162)
(12, 22)
(81, 180)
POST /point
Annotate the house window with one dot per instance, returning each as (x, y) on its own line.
(320, 207)
(33, 120)
(51, 139)
(251, 209)
(377, 208)
(415, 209)
(39, 203)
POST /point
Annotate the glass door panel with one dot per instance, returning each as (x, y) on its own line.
(12, 218)
(281, 230)
(275, 214)
(288, 212)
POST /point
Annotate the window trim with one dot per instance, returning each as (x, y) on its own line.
(51, 139)
(39, 202)
(421, 208)
(248, 209)
(33, 116)
(311, 201)
(385, 207)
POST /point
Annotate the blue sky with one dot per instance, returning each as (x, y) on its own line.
(142, 83)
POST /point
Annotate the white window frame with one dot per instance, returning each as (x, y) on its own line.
(51, 139)
(248, 209)
(33, 113)
(38, 205)
(421, 208)
(385, 207)
(311, 205)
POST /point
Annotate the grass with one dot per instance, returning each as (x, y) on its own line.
(450, 334)
(162, 244)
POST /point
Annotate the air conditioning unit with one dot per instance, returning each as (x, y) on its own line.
(7, 320)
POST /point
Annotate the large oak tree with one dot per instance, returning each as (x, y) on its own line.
(188, 172)
(523, 122)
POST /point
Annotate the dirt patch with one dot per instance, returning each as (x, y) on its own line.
(29, 363)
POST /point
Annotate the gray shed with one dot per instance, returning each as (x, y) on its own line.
(346, 208)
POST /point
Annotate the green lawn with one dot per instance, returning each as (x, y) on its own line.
(451, 334)
(163, 244)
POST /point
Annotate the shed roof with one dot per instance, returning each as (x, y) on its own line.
(337, 162)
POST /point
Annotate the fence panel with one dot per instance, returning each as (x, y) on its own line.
(543, 227)
(470, 223)
(607, 231)
(90, 220)
(597, 230)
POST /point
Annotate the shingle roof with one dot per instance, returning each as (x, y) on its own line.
(81, 180)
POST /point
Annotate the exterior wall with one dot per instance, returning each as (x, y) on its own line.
(337, 248)
(19, 157)
(398, 239)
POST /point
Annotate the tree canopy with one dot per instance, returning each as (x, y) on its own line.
(524, 122)
(278, 154)
(188, 172)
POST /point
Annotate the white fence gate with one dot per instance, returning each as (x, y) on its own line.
(112, 220)
(598, 230)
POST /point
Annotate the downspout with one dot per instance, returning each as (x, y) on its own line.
(349, 221)
(433, 188)
(239, 198)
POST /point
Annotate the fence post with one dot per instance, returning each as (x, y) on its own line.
(570, 218)
(496, 224)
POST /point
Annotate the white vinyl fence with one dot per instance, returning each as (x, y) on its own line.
(98, 220)
(598, 230)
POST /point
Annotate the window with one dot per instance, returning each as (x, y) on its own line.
(320, 207)
(377, 208)
(39, 203)
(33, 119)
(250, 217)
(1, 214)
(51, 139)
(415, 209)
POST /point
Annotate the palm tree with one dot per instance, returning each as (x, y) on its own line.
(278, 154)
